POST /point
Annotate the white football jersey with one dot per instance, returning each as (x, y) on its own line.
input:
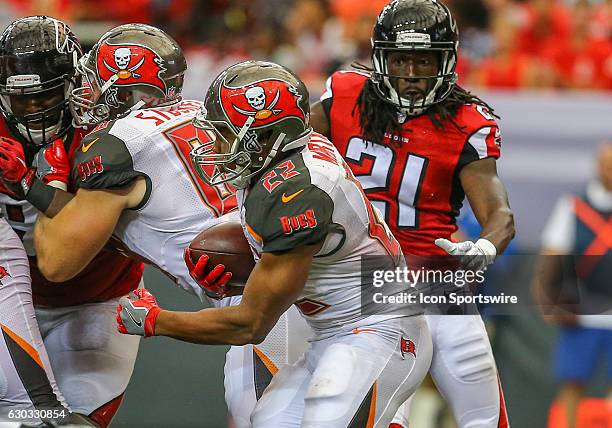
(309, 197)
(21, 215)
(155, 144)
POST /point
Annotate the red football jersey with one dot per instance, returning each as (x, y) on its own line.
(411, 177)
(109, 275)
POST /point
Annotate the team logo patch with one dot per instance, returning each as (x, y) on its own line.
(305, 220)
(267, 101)
(407, 347)
(3, 273)
(91, 167)
(129, 65)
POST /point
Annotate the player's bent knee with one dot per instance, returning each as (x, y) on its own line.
(473, 360)
(333, 374)
(463, 347)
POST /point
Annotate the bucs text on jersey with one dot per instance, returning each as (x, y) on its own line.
(413, 177)
(102, 282)
(155, 145)
(311, 197)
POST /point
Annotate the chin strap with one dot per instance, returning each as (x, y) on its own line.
(245, 128)
(299, 142)
(110, 82)
(137, 106)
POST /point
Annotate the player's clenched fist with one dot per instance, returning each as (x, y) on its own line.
(52, 165)
(14, 172)
(137, 313)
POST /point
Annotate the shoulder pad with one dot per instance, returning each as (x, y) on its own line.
(474, 116)
(288, 212)
(344, 83)
(102, 161)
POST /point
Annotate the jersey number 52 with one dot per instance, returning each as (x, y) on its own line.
(184, 136)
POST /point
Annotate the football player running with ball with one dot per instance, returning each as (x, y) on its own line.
(309, 223)
(419, 143)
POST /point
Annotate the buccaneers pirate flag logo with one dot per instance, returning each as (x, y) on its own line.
(407, 347)
(267, 102)
(3, 273)
(130, 64)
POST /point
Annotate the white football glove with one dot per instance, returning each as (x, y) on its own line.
(473, 255)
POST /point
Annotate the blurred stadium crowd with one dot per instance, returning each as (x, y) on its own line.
(506, 44)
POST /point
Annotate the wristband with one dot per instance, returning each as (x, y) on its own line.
(39, 194)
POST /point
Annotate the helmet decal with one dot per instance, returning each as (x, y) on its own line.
(132, 66)
(251, 143)
(267, 101)
(258, 110)
(64, 43)
(129, 65)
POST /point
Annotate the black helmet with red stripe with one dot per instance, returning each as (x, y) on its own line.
(415, 26)
(38, 56)
(254, 112)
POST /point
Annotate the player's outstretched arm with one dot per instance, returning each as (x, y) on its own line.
(66, 243)
(489, 201)
(274, 285)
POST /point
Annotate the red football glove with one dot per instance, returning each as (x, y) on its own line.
(215, 282)
(15, 176)
(137, 313)
(52, 165)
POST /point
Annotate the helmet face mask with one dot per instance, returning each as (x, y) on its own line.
(415, 27)
(253, 112)
(37, 74)
(84, 104)
(224, 161)
(38, 115)
(132, 66)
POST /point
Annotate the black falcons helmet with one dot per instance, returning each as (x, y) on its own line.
(38, 55)
(415, 25)
(132, 66)
(253, 112)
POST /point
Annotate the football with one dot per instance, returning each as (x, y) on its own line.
(225, 244)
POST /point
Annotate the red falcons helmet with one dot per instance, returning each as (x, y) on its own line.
(132, 66)
(253, 112)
